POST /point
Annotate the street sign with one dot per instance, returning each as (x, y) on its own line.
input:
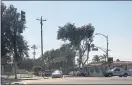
(94, 49)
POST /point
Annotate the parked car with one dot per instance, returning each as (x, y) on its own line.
(78, 73)
(47, 73)
(72, 73)
(117, 72)
(130, 70)
(83, 73)
(57, 74)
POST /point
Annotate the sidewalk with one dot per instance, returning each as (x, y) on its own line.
(6, 80)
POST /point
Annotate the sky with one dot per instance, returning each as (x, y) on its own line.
(112, 18)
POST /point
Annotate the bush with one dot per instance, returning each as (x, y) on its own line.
(36, 70)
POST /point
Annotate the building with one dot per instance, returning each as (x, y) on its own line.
(98, 69)
(123, 64)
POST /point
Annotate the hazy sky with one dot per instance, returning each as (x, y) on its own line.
(110, 18)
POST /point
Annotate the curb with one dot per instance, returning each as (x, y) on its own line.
(19, 83)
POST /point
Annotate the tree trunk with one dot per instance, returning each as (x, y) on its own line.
(80, 58)
(15, 57)
(15, 69)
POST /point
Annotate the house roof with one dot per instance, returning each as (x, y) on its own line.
(95, 64)
(122, 62)
(115, 62)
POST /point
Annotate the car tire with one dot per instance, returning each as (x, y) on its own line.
(120, 76)
(125, 75)
(62, 76)
(106, 75)
(110, 75)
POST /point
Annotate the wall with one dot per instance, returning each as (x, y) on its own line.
(96, 71)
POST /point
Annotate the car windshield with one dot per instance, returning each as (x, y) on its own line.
(113, 69)
(130, 69)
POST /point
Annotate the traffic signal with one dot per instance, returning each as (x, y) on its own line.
(88, 47)
(110, 60)
(22, 15)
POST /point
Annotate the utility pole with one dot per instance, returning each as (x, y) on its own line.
(107, 48)
(41, 23)
(34, 49)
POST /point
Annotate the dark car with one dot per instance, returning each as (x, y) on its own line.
(47, 73)
(82, 73)
(78, 73)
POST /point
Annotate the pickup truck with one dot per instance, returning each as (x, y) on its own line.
(117, 72)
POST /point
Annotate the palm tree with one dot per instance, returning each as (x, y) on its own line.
(96, 58)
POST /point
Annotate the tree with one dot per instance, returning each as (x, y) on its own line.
(63, 57)
(6, 45)
(103, 58)
(12, 27)
(117, 60)
(96, 59)
(79, 37)
(68, 54)
(99, 58)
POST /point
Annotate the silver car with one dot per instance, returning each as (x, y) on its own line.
(130, 70)
(57, 74)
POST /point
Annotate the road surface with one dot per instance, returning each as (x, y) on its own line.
(81, 80)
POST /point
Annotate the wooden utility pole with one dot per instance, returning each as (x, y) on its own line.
(34, 47)
(41, 23)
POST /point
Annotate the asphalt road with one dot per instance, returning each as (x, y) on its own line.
(81, 80)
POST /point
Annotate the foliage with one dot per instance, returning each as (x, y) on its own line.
(63, 57)
(12, 28)
(12, 40)
(99, 59)
(96, 58)
(79, 37)
(117, 60)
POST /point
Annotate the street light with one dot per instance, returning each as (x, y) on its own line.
(107, 43)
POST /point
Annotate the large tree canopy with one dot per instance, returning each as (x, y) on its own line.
(79, 37)
(12, 27)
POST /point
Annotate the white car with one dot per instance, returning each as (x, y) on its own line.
(57, 74)
(117, 72)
